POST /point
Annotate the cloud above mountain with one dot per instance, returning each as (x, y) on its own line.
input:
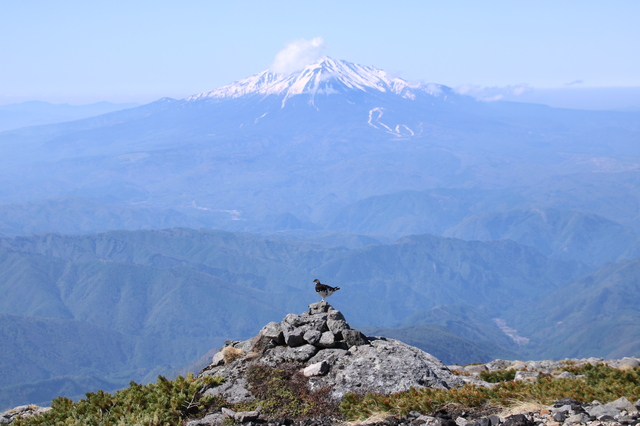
(494, 93)
(298, 54)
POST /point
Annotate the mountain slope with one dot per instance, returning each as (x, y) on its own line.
(424, 270)
(46, 357)
(150, 263)
(596, 314)
(465, 321)
(306, 145)
(76, 215)
(433, 211)
(42, 348)
(559, 234)
(36, 113)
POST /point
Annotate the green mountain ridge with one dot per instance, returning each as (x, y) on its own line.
(42, 348)
(167, 297)
(466, 321)
(41, 393)
(597, 313)
(560, 234)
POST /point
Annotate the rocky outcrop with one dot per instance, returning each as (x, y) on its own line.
(332, 355)
(530, 370)
(22, 411)
(563, 412)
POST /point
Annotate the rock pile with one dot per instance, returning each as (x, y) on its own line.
(331, 354)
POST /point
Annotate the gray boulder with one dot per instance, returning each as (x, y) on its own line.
(293, 336)
(312, 337)
(601, 411)
(328, 355)
(622, 404)
(246, 416)
(22, 411)
(214, 419)
(234, 389)
(526, 375)
(354, 338)
(320, 308)
(336, 323)
(283, 354)
(565, 375)
(316, 369)
(475, 368)
(499, 364)
(385, 366)
(327, 340)
(316, 322)
(273, 331)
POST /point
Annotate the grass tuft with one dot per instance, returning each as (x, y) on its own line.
(230, 354)
(498, 376)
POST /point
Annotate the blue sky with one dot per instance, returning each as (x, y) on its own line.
(138, 51)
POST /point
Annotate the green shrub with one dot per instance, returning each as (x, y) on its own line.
(164, 403)
(498, 376)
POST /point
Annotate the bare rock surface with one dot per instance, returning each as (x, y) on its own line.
(383, 366)
(531, 369)
(23, 411)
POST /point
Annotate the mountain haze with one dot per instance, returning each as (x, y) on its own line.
(34, 113)
(162, 299)
(165, 229)
(310, 146)
(597, 314)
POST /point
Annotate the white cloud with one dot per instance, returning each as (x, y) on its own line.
(298, 54)
(494, 93)
(467, 89)
(573, 83)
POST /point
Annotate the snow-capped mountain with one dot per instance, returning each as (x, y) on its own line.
(236, 159)
(325, 77)
(341, 89)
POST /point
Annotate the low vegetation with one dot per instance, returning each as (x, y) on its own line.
(498, 375)
(599, 382)
(164, 403)
(282, 392)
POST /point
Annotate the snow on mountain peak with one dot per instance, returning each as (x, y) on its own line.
(326, 76)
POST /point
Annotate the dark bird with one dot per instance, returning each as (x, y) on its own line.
(324, 290)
